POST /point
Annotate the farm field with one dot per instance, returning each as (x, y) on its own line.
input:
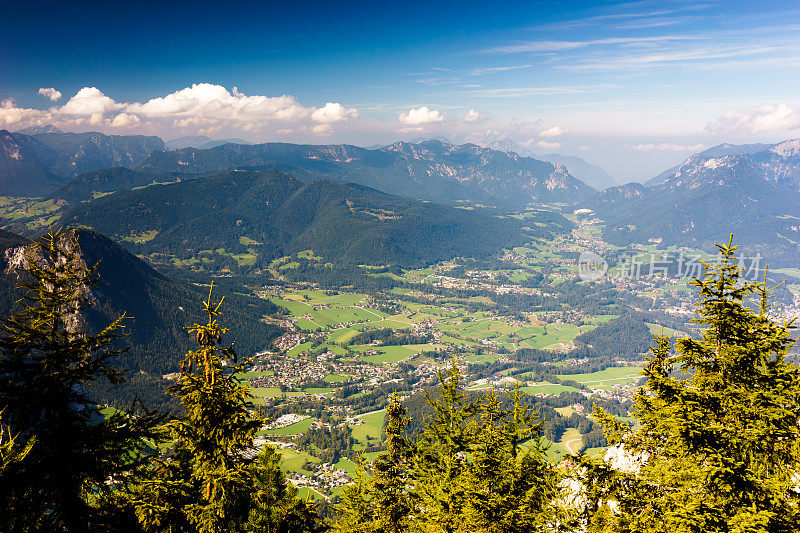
(294, 429)
(373, 427)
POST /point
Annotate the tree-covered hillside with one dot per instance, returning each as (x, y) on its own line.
(271, 214)
(158, 307)
(430, 170)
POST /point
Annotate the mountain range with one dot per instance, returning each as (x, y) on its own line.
(38, 162)
(430, 170)
(750, 190)
(159, 307)
(586, 172)
(201, 141)
(268, 214)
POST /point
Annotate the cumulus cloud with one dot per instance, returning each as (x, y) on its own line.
(209, 101)
(12, 116)
(203, 107)
(333, 112)
(669, 147)
(548, 145)
(50, 93)
(472, 116)
(125, 120)
(90, 101)
(555, 131)
(765, 118)
(417, 116)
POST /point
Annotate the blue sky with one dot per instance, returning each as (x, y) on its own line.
(632, 86)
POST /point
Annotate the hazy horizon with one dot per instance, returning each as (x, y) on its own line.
(633, 87)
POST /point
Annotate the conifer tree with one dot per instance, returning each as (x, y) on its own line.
(717, 448)
(478, 466)
(390, 470)
(48, 355)
(440, 455)
(509, 484)
(381, 502)
(11, 450)
(212, 480)
(275, 506)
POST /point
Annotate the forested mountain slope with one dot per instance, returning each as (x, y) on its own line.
(429, 170)
(158, 306)
(274, 214)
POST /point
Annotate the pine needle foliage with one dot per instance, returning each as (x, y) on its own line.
(479, 465)
(12, 451)
(718, 447)
(48, 354)
(213, 480)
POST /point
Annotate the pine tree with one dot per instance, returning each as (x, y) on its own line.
(275, 506)
(479, 465)
(717, 447)
(440, 455)
(391, 483)
(212, 480)
(203, 486)
(382, 501)
(509, 484)
(48, 355)
(11, 450)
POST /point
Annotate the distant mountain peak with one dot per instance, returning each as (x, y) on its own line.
(38, 130)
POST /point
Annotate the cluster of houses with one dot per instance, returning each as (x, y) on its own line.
(326, 478)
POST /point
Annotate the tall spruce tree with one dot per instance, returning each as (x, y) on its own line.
(274, 504)
(48, 355)
(718, 447)
(212, 480)
(381, 502)
(509, 484)
(478, 466)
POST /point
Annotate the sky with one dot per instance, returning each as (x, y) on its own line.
(634, 87)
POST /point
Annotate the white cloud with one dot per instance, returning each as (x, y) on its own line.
(209, 101)
(322, 129)
(765, 118)
(203, 108)
(420, 115)
(11, 115)
(472, 116)
(90, 101)
(124, 120)
(669, 147)
(548, 145)
(558, 46)
(333, 112)
(492, 70)
(50, 93)
(555, 131)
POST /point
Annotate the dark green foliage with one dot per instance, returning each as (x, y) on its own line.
(334, 441)
(347, 223)
(626, 337)
(48, 357)
(211, 480)
(478, 465)
(154, 305)
(108, 180)
(718, 446)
